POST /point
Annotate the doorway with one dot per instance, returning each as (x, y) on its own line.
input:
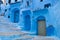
(16, 16)
(27, 22)
(41, 27)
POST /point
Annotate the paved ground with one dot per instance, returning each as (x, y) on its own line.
(6, 25)
(9, 31)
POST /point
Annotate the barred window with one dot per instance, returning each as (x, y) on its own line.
(9, 1)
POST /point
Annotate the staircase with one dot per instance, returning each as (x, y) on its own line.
(9, 31)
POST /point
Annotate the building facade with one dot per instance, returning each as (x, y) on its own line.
(35, 16)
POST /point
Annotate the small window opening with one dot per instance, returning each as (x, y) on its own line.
(41, 0)
(15, 0)
(27, 3)
(47, 5)
(9, 1)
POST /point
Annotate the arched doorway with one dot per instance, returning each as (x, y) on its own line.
(16, 15)
(27, 23)
(41, 26)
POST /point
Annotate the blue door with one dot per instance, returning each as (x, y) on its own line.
(16, 16)
(27, 23)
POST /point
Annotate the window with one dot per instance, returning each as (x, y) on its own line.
(9, 1)
(5, 10)
(6, 3)
(8, 16)
(15, 0)
(27, 3)
(47, 5)
(41, 0)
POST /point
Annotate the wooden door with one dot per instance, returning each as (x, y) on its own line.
(42, 27)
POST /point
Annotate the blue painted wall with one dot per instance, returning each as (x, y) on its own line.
(12, 9)
(55, 17)
(37, 9)
(40, 5)
(38, 13)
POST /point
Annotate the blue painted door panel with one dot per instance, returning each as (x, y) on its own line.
(16, 16)
(27, 23)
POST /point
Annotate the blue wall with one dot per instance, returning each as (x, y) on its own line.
(10, 12)
(36, 14)
(55, 17)
(40, 5)
(52, 14)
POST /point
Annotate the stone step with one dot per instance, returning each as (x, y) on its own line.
(37, 38)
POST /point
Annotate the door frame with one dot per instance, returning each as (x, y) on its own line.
(42, 18)
(14, 10)
(28, 23)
